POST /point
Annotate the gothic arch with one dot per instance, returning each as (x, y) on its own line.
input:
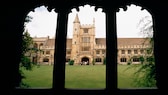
(15, 17)
(85, 59)
(35, 45)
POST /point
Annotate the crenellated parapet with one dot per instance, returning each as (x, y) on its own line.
(100, 46)
(87, 25)
(47, 47)
(133, 46)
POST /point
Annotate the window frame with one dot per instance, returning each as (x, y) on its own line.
(111, 69)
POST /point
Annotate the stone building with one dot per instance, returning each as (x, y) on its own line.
(85, 48)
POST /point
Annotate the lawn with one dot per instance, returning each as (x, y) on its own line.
(85, 76)
(77, 76)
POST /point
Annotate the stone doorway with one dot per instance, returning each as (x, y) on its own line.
(85, 61)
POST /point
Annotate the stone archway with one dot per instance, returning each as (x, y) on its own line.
(85, 61)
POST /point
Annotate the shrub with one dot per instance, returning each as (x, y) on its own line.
(71, 62)
(104, 61)
(129, 63)
(93, 62)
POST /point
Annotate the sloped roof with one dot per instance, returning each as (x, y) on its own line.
(102, 41)
(132, 41)
(50, 42)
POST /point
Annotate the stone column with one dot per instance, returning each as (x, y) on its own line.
(60, 52)
(111, 58)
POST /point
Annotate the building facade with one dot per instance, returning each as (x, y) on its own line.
(85, 48)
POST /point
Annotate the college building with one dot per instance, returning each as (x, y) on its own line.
(85, 48)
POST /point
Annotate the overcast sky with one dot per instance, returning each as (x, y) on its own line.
(44, 23)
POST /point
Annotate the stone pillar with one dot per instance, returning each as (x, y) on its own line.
(60, 52)
(111, 47)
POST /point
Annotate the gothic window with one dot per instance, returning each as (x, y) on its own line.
(136, 59)
(85, 39)
(41, 44)
(98, 60)
(47, 52)
(123, 59)
(86, 48)
(45, 59)
(85, 30)
(59, 70)
(129, 51)
(103, 51)
(135, 51)
(133, 45)
(35, 45)
(142, 51)
(97, 51)
(122, 51)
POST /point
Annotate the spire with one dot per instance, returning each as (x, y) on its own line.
(76, 19)
(93, 21)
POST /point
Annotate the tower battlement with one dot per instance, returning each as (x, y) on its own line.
(87, 26)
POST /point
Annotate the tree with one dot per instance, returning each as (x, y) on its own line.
(25, 61)
(26, 48)
(145, 75)
(146, 27)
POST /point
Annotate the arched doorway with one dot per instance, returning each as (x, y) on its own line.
(85, 61)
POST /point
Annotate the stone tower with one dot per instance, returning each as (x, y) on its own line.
(83, 42)
(75, 38)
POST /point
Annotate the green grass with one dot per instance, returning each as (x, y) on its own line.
(125, 76)
(77, 76)
(86, 76)
(39, 77)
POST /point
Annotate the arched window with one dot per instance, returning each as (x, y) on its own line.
(58, 85)
(41, 44)
(45, 60)
(89, 35)
(134, 32)
(35, 45)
